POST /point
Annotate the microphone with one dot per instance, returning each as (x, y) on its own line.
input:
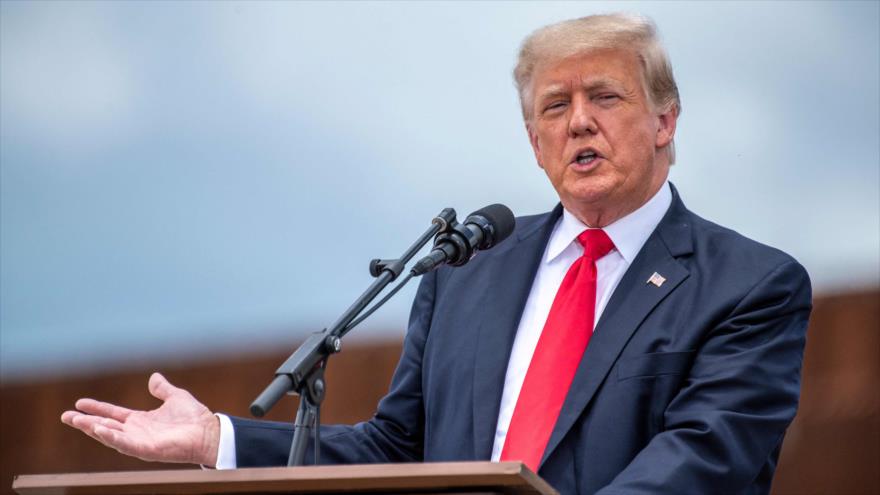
(459, 243)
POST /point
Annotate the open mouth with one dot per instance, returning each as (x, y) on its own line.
(586, 157)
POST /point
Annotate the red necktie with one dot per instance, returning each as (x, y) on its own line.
(557, 355)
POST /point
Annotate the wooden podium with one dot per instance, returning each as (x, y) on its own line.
(441, 477)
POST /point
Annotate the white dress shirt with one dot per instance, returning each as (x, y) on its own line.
(629, 234)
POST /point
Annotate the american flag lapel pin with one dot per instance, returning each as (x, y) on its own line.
(656, 279)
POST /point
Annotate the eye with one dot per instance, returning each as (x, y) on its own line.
(554, 106)
(606, 99)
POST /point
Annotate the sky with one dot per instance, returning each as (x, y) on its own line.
(182, 179)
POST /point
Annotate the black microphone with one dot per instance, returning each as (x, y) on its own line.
(456, 245)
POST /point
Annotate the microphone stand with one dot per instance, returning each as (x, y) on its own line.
(303, 372)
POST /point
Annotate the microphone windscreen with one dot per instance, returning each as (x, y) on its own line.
(501, 219)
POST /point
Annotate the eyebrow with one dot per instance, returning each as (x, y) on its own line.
(556, 90)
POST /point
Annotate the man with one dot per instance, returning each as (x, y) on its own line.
(619, 344)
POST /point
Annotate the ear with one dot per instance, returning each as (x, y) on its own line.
(536, 145)
(666, 127)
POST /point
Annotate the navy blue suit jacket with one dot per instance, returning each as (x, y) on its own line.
(685, 388)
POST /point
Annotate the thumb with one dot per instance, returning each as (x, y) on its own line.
(160, 387)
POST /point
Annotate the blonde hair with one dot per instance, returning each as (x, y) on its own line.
(597, 32)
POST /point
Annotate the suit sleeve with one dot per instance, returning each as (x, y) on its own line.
(394, 434)
(728, 419)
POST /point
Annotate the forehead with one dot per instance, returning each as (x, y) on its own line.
(598, 67)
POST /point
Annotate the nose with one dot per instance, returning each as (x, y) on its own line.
(582, 120)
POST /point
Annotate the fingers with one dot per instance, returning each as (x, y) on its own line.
(67, 417)
(109, 432)
(103, 409)
(89, 424)
(85, 422)
(161, 388)
(118, 440)
(93, 414)
(74, 419)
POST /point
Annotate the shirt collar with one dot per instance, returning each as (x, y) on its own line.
(629, 233)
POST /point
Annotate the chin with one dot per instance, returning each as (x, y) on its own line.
(588, 194)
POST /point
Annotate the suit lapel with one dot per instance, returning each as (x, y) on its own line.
(630, 303)
(511, 273)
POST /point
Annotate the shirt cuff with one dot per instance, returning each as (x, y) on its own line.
(226, 451)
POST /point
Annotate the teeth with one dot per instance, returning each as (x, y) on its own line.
(586, 157)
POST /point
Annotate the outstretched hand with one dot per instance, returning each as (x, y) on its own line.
(180, 430)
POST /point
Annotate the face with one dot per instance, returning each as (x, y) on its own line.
(596, 135)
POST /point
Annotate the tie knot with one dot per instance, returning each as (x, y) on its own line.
(596, 243)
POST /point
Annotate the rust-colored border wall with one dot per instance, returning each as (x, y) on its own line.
(832, 448)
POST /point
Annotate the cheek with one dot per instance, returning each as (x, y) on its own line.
(548, 148)
(554, 144)
(636, 137)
